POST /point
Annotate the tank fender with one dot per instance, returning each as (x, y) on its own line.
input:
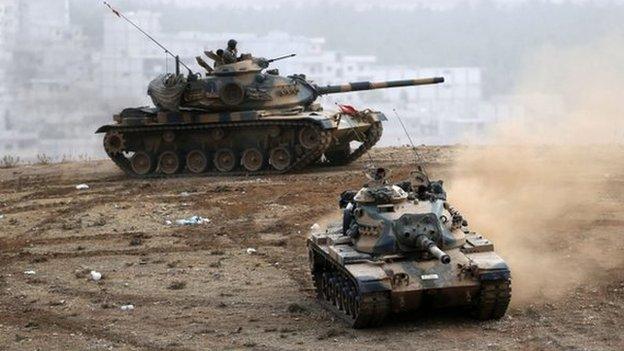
(490, 266)
(323, 121)
(370, 277)
(380, 116)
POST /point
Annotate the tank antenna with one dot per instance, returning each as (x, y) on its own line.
(122, 16)
(419, 162)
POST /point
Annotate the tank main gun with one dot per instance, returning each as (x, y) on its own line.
(427, 244)
(281, 58)
(359, 86)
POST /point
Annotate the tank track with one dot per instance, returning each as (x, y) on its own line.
(493, 299)
(337, 290)
(301, 161)
(340, 158)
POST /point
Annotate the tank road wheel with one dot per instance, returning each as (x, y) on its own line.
(252, 160)
(280, 158)
(225, 160)
(169, 162)
(493, 300)
(196, 161)
(309, 137)
(142, 163)
(114, 143)
(217, 134)
(169, 136)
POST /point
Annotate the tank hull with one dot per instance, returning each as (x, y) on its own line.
(478, 279)
(148, 143)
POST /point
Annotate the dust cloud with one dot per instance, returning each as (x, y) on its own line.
(548, 188)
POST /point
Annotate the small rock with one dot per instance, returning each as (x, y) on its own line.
(82, 187)
(194, 220)
(127, 307)
(173, 264)
(177, 286)
(95, 276)
(315, 226)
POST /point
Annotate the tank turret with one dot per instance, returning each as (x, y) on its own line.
(247, 85)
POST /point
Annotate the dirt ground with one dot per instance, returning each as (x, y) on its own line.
(197, 287)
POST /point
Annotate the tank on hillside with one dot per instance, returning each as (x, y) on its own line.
(403, 248)
(241, 118)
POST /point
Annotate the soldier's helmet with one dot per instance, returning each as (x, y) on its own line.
(377, 174)
(232, 44)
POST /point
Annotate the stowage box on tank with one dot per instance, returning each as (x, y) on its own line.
(240, 119)
(401, 248)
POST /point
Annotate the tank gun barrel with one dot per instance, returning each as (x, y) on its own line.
(281, 58)
(430, 246)
(358, 86)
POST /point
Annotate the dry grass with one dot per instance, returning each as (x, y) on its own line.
(9, 161)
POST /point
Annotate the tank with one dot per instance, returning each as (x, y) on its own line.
(404, 248)
(241, 118)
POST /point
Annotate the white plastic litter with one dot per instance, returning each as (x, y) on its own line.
(185, 194)
(251, 251)
(1, 216)
(168, 222)
(127, 307)
(195, 220)
(315, 226)
(30, 272)
(95, 276)
(82, 187)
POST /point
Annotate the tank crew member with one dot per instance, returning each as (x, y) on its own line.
(217, 58)
(378, 176)
(230, 55)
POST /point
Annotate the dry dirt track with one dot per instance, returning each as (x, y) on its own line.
(196, 288)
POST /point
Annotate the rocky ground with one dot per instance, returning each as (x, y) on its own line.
(198, 287)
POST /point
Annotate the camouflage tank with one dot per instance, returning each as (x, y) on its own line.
(240, 119)
(403, 248)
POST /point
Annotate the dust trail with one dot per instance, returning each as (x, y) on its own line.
(545, 188)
